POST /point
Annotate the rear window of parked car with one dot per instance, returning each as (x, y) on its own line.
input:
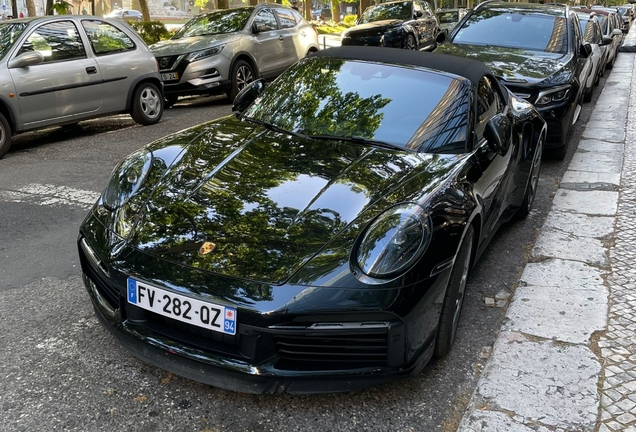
(106, 38)
(513, 29)
(286, 18)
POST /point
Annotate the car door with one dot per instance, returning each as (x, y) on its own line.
(65, 86)
(289, 32)
(268, 47)
(427, 23)
(583, 64)
(495, 182)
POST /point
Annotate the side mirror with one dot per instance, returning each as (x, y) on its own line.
(245, 97)
(418, 14)
(26, 59)
(585, 50)
(606, 41)
(498, 133)
(441, 36)
(616, 32)
(258, 28)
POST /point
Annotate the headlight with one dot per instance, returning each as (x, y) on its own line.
(200, 55)
(553, 95)
(126, 179)
(394, 241)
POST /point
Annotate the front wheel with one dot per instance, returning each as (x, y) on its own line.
(533, 183)
(147, 104)
(410, 44)
(5, 136)
(242, 75)
(454, 297)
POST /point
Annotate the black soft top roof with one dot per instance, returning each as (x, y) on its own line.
(467, 68)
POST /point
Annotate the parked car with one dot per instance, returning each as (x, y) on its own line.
(610, 26)
(535, 50)
(625, 13)
(448, 18)
(126, 14)
(407, 24)
(321, 239)
(601, 45)
(60, 70)
(223, 51)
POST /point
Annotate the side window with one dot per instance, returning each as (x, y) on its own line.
(417, 9)
(488, 103)
(106, 38)
(296, 15)
(286, 18)
(58, 41)
(266, 21)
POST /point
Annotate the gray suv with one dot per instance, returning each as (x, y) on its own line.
(59, 70)
(222, 51)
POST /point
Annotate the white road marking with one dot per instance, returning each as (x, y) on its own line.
(51, 195)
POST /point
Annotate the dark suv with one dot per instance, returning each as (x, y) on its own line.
(537, 51)
(407, 24)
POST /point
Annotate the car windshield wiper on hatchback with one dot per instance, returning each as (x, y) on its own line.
(273, 127)
(359, 140)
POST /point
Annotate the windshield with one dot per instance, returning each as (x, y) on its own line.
(225, 21)
(406, 107)
(9, 33)
(514, 29)
(387, 11)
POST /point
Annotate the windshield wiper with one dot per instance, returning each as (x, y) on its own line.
(359, 140)
(273, 127)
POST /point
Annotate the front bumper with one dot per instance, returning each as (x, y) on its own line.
(271, 352)
(206, 76)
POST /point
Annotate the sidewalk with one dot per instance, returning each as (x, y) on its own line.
(565, 358)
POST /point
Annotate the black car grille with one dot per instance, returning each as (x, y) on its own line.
(306, 351)
(172, 64)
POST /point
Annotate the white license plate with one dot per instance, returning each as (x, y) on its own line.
(169, 76)
(201, 314)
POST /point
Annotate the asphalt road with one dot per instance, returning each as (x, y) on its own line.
(61, 370)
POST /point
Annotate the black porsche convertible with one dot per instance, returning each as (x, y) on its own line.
(320, 239)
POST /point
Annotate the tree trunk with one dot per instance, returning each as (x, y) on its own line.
(307, 6)
(30, 4)
(222, 4)
(363, 5)
(145, 13)
(14, 8)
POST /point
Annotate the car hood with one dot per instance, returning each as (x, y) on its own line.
(266, 203)
(515, 65)
(189, 44)
(372, 28)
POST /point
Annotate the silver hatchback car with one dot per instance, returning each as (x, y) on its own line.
(222, 51)
(58, 70)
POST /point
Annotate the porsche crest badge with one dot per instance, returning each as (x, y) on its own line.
(206, 248)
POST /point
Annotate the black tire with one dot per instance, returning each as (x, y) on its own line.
(5, 136)
(242, 75)
(410, 43)
(169, 101)
(454, 297)
(533, 183)
(587, 94)
(147, 104)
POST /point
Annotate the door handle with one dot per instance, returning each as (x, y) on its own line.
(91, 70)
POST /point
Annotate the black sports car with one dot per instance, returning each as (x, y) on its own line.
(407, 24)
(321, 239)
(537, 51)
